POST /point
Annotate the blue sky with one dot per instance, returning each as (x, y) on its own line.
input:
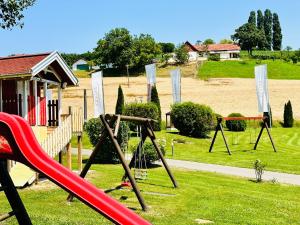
(76, 25)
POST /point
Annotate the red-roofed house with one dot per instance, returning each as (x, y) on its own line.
(24, 84)
(226, 51)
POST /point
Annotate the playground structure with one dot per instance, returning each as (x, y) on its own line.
(111, 127)
(19, 143)
(219, 127)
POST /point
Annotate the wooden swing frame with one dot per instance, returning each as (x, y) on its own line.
(219, 127)
(109, 120)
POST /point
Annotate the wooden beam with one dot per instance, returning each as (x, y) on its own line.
(45, 80)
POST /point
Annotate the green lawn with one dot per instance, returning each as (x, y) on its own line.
(221, 199)
(287, 141)
(245, 69)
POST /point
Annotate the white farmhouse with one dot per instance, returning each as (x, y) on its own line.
(226, 51)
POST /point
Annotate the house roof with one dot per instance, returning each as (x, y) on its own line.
(20, 64)
(33, 64)
(80, 62)
(213, 47)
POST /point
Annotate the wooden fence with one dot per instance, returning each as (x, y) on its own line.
(59, 138)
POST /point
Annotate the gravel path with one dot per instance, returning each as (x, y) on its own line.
(285, 178)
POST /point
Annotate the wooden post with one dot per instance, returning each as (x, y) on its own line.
(84, 106)
(79, 154)
(12, 196)
(36, 102)
(69, 156)
(60, 157)
(59, 104)
(151, 134)
(219, 127)
(46, 99)
(25, 99)
(123, 162)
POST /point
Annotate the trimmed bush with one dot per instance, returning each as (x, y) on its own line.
(236, 125)
(108, 153)
(149, 153)
(155, 100)
(214, 57)
(145, 110)
(192, 119)
(288, 119)
(120, 101)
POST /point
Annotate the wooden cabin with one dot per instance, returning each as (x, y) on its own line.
(25, 81)
(26, 85)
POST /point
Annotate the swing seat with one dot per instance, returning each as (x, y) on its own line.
(125, 184)
(140, 174)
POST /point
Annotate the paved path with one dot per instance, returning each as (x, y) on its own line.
(235, 171)
(228, 170)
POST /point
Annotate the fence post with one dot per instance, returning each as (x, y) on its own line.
(84, 106)
(69, 156)
(79, 146)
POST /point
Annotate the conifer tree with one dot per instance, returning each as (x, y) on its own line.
(288, 119)
(268, 29)
(156, 101)
(252, 18)
(120, 101)
(260, 26)
(277, 35)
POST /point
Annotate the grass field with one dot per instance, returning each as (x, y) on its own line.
(245, 69)
(221, 199)
(287, 142)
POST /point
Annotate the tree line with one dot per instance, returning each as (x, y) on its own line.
(262, 31)
(119, 48)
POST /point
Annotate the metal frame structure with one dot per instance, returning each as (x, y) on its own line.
(219, 127)
(111, 128)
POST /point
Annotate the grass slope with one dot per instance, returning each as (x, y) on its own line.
(245, 69)
(222, 199)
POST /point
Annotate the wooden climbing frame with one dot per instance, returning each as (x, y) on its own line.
(111, 128)
(219, 127)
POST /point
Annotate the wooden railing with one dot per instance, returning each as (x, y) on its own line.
(77, 120)
(59, 138)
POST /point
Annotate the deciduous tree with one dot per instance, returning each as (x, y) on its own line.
(11, 12)
(248, 36)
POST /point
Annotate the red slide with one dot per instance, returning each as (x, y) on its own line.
(18, 142)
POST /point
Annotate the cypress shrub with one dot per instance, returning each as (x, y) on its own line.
(236, 125)
(145, 110)
(192, 119)
(288, 119)
(120, 101)
(108, 153)
(155, 100)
